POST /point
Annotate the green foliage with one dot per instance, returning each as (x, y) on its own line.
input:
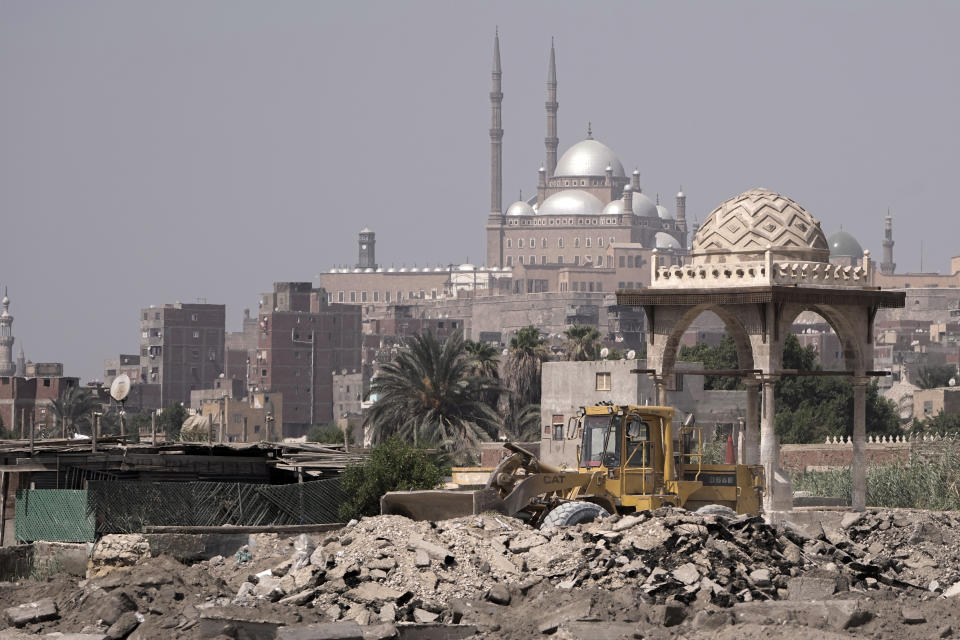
(522, 369)
(170, 420)
(325, 434)
(428, 396)
(485, 363)
(922, 483)
(615, 354)
(935, 376)
(722, 356)
(393, 465)
(524, 426)
(6, 434)
(582, 343)
(138, 423)
(73, 410)
(941, 423)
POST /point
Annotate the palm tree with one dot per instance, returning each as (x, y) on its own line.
(582, 342)
(484, 363)
(428, 395)
(522, 368)
(523, 426)
(73, 409)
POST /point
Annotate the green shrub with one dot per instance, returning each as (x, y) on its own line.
(325, 434)
(392, 466)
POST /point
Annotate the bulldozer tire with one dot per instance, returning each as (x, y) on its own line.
(571, 513)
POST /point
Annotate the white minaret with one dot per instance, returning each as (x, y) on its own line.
(7, 367)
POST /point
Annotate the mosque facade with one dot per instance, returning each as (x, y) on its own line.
(590, 228)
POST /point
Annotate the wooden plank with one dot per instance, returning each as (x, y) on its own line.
(281, 528)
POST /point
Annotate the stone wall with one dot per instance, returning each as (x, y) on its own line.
(837, 453)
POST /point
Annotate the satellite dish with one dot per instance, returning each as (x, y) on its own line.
(631, 355)
(604, 353)
(952, 382)
(120, 387)
(506, 352)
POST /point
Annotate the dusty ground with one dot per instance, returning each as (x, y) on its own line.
(671, 573)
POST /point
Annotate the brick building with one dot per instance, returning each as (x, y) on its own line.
(303, 339)
(25, 402)
(181, 348)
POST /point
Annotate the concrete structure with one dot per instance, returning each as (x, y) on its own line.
(759, 261)
(181, 348)
(125, 363)
(25, 403)
(566, 386)
(927, 403)
(233, 388)
(303, 340)
(240, 420)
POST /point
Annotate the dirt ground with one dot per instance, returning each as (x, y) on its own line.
(666, 574)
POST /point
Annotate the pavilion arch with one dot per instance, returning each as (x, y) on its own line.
(662, 355)
(845, 320)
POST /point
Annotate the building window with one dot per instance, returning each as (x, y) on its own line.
(612, 240)
(587, 240)
(339, 296)
(509, 243)
(533, 260)
(543, 243)
(520, 259)
(533, 243)
(623, 261)
(353, 296)
(559, 259)
(591, 287)
(630, 262)
(576, 260)
(543, 259)
(620, 285)
(520, 243)
(363, 296)
(599, 242)
(433, 294)
(576, 243)
(193, 317)
(557, 424)
(376, 296)
(599, 261)
(603, 381)
(386, 296)
(422, 296)
(560, 243)
(196, 335)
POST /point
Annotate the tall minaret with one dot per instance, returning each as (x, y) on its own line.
(7, 367)
(888, 266)
(551, 141)
(496, 134)
(21, 363)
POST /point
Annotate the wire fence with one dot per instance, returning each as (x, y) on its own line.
(127, 507)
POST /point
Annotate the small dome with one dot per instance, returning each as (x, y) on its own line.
(571, 202)
(520, 208)
(613, 208)
(843, 244)
(466, 267)
(588, 158)
(643, 206)
(665, 241)
(757, 219)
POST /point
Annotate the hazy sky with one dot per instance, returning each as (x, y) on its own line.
(174, 150)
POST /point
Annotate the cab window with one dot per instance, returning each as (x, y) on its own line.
(638, 443)
(595, 430)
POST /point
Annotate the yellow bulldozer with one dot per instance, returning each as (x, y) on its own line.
(626, 462)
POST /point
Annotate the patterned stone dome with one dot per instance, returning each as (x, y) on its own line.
(747, 224)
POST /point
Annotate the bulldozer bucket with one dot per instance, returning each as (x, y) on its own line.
(440, 504)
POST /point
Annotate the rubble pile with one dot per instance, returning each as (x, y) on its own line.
(668, 568)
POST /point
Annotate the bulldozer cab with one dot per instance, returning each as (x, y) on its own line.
(626, 445)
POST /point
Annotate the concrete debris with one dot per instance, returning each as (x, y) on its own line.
(39, 611)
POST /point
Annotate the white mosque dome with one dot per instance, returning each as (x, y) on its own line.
(588, 158)
(643, 206)
(520, 208)
(466, 267)
(665, 241)
(571, 202)
(613, 208)
(664, 213)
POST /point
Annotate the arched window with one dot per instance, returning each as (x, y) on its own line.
(600, 241)
(630, 262)
(520, 243)
(560, 243)
(533, 243)
(588, 242)
(576, 243)
(509, 243)
(509, 261)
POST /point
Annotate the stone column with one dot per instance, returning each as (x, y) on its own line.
(751, 435)
(777, 496)
(660, 381)
(858, 466)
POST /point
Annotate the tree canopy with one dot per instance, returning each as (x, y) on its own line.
(935, 376)
(582, 342)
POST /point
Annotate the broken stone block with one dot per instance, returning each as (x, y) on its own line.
(323, 631)
(123, 627)
(912, 615)
(811, 588)
(39, 611)
(423, 616)
(388, 612)
(421, 558)
(113, 606)
(373, 593)
(687, 573)
(499, 594)
(760, 577)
